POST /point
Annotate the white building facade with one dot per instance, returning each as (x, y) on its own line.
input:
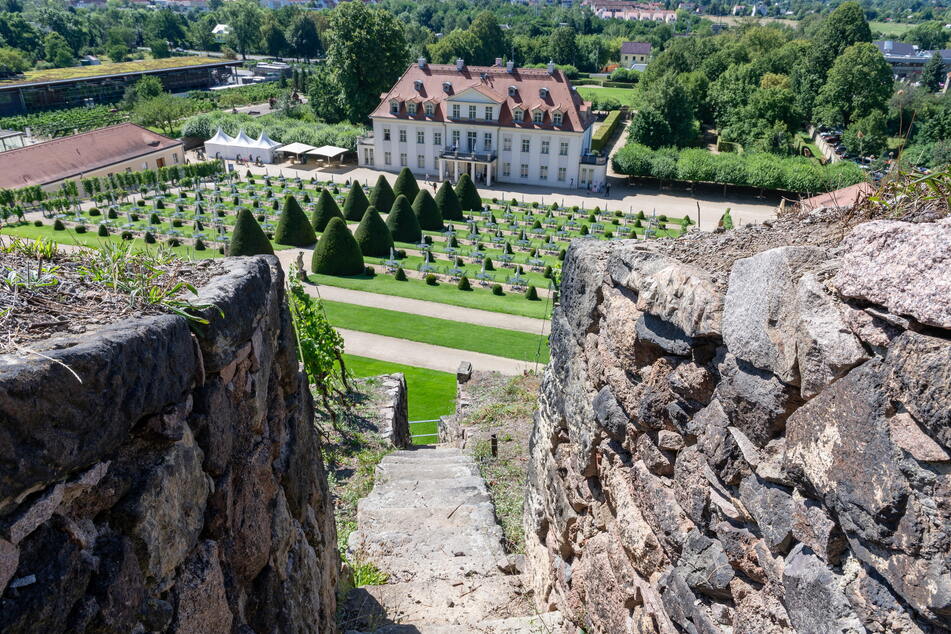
(498, 124)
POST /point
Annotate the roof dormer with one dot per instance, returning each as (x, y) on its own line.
(513, 90)
(394, 106)
(543, 92)
(418, 85)
(518, 115)
(447, 87)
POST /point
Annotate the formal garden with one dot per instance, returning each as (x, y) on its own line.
(452, 239)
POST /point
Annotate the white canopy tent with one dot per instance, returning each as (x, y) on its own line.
(327, 151)
(242, 146)
(299, 150)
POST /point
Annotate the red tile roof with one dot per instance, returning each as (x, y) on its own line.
(845, 197)
(577, 115)
(72, 156)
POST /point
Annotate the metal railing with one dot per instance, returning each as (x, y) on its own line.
(413, 437)
(593, 159)
(468, 155)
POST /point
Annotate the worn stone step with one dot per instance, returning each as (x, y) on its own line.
(386, 472)
(372, 518)
(428, 485)
(467, 601)
(547, 623)
(448, 497)
(420, 459)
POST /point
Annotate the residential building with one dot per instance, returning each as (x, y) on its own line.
(221, 32)
(907, 60)
(635, 53)
(120, 148)
(497, 123)
(627, 10)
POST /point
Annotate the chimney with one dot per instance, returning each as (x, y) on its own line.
(498, 61)
(422, 62)
(510, 66)
(551, 67)
(460, 64)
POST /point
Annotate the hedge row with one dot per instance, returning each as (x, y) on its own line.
(766, 171)
(603, 134)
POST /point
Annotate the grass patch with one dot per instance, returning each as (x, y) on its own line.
(109, 68)
(431, 393)
(511, 344)
(479, 298)
(626, 96)
(890, 28)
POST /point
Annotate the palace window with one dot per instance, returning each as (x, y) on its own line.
(420, 136)
(526, 144)
(402, 136)
(562, 172)
(506, 169)
(563, 149)
(437, 138)
(428, 108)
(403, 159)
(455, 111)
(395, 107)
(412, 109)
(472, 112)
(523, 172)
(545, 145)
(538, 116)
(543, 172)
(506, 144)
(386, 134)
(487, 141)
(421, 161)
(488, 113)
(387, 158)
(518, 115)
(557, 118)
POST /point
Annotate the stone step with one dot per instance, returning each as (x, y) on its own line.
(372, 518)
(462, 602)
(387, 472)
(445, 498)
(420, 459)
(411, 485)
(547, 623)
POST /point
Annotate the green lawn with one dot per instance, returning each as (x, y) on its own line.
(890, 28)
(510, 303)
(627, 96)
(430, 393)
(511, 344)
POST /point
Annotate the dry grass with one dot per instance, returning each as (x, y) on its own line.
(111, 68)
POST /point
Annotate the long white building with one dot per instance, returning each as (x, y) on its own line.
(498, 123)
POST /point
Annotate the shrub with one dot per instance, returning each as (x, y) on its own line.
(547, 272)
(372, 235)
(584, 230)
(608, 234)
(448, 202)
(355, 204)
(427, 212)
(112, 214)
(149, 238)
(58, 225)
(293, 228)
(531, 294)
(140, 203)
(176, 222)
(382, 196)
(497, 289)
(134, 217)
(561, 255)
(275, 206)
(604, 132)
(537, 224)
(400, 275)
(155, 220)
(464, 284)
(199, 245)
(126, 235)
(337, 253)
(726, 220)
(326, 208)
(248, 238)
(488, 264)
(431, 279)
(81, 229)
(468, 195)
(160, 204)
(37, 223)
(402, 222)
(261, 217)
(174, 242)
(369, 271)
(406, 184)
(94, 212)
(103, 231)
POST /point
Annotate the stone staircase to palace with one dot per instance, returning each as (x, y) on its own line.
(430, 526)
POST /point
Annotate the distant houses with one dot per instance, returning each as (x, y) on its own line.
(627, 10)
(907, 60)
(635, 54)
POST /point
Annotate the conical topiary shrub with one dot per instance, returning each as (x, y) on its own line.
(248, 238)
(382, 196)
(402, 222)
(468, 194)
(448, 202)
(372, 235)
(293, 228)
(427, 213)
(325, 209)
(356, 203)
(337, 252)
(406, 184)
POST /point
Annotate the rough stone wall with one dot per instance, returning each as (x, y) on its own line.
(393, 424)
(178, 487)
(763, 453)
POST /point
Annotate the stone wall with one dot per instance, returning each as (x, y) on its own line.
(393, 421)
(761, 449)
(174, 483)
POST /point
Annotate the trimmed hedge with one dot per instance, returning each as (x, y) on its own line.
(427, 212)
(356, 203)
(406, 184)
(337, 253)
(402, 222)
(293, 227)
(750, 169)
(603, 134)
(468, 194)
(248, 238)
(326, 208)
(382, 196)
(372, 235)
(448, 202)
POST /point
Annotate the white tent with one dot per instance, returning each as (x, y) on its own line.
(242, 146)
(328, 151)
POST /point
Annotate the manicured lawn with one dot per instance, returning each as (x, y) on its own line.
(627, 96)
(438, 332)
(430, 393)
(890, 28)
(480, 298)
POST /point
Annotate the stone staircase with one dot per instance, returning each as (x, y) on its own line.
(430, 526)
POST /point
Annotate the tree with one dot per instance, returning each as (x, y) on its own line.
(326, 209)
(932, 75)
(867, 136)
(355, 204)
(355, 29)
(427, 212)
(563, 46)
(337, 253)
(248, 238)
(160, 49)
(272, 37)
(12, 62)
(406, 184)
(448, 202)
(303, 38)
(244, 17)
(325, 95)
(456, 44)
(491, 39)
(467, 194)
(293, 228)
(162, 111)
(382, 196)
(373, 236)
(57, 51)
(649, 127)
(927, 35)
(402, 222)
(860, 81)
(667, 117)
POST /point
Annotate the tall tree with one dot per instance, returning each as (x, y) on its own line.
(859, 82)
(244, 17)
(933, 73)
(491, 39)
(272, 37)
(12, 62)
(355, 30)
(867, 136)
(303, 38)
(57, 51)
(562, 46)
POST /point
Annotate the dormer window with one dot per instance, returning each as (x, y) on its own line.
(538, 116)
(419, 85)
(412, 109)
(447, 86)
(557, 118)
(513, 90)
(395, 107)
(543, 92)
(429, 109)
(518, 115)
(455, 111)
